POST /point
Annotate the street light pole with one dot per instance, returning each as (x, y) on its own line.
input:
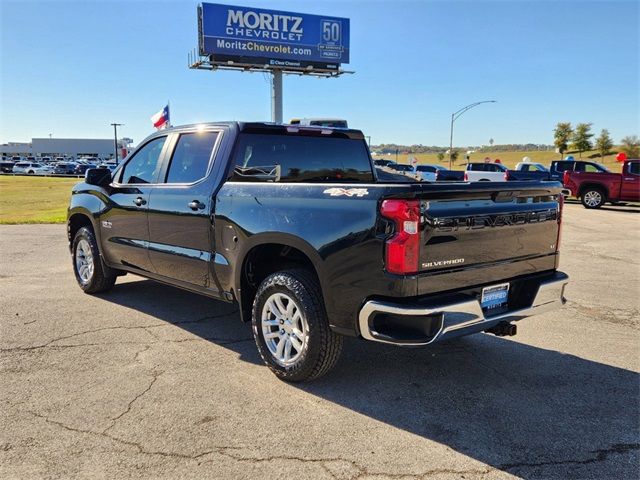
(454, 117)
(115, 139)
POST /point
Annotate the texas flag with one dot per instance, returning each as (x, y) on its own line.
(161, 119)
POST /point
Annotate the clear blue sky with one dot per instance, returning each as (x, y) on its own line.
(70, 68)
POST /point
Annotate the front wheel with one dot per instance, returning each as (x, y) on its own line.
(291, 329)
(592, 198)
(92, 275)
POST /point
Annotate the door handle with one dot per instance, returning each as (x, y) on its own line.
(196, 205)
(140, 201)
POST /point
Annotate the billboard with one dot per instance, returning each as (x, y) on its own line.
(279, 39)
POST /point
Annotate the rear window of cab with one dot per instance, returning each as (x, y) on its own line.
(304, 158)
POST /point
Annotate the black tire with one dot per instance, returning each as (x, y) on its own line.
(593, 197)
(103, 278)
(323, 346)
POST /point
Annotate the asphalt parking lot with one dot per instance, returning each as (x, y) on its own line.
(148, 381)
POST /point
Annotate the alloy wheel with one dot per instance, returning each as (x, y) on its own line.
(593, 198)
(284, 328)
(84, 261)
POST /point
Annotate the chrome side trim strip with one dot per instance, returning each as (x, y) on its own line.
(462, 315)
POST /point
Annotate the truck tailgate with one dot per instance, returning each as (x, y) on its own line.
(488, 236)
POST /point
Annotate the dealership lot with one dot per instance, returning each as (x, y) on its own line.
(149, 381)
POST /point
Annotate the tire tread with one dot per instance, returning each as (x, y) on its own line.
(304, 285)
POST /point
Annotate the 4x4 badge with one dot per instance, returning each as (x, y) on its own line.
(347, 192)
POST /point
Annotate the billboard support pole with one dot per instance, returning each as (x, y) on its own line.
(276, 96)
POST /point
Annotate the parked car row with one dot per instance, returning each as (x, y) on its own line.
(59, 168)
(592, 183)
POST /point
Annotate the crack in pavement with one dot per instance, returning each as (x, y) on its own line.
(601, 455)
(121, 327)
(77, 334)
(115, 419)
(216, 340)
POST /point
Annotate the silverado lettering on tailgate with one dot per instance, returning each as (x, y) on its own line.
(453, 224)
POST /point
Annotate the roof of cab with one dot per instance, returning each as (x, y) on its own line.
(271, 127)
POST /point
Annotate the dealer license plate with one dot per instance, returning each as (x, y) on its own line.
(494, 296)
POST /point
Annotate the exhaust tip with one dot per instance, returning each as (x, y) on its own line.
(503, 329)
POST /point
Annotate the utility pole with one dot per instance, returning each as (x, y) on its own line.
(115, 139)
(455, 116)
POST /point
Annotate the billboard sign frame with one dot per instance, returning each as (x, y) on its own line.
(264, 39)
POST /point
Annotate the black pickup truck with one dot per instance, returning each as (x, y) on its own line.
(556, 171)
(293, 224)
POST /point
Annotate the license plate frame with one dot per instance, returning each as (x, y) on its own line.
(494, 296)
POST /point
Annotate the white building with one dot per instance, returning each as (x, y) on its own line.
(66, 147)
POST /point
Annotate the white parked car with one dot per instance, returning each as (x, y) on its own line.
(531, 167)
(30, 168)
(485, 172)
(428, 172)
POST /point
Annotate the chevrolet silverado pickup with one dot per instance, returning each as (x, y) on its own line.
(294, 225)
(594, 189)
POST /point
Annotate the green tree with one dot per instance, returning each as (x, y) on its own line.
(631, 146)
(581, 138)
(454, 155)
(440, 156)
(561, 136)
(604, 143)
(491, 142)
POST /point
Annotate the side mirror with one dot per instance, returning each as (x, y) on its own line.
(100, 177)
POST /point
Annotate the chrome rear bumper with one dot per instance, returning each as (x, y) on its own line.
(460, 318)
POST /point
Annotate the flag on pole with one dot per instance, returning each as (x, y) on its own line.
(161, 119)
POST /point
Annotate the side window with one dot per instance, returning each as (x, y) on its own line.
(564, 166)
(190, 159)
(142, 166)
(634, 168)
(589, 167)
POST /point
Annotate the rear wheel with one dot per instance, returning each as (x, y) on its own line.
(592, 197)
(92, 275)
(291, 328)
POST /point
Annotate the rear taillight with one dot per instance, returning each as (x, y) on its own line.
(403, 248)
(507, 176)
(560, 208)
(466, 177)
(565, 178)
(437, 175)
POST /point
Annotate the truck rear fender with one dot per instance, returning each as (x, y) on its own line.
(603, 188)
(268, 253)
